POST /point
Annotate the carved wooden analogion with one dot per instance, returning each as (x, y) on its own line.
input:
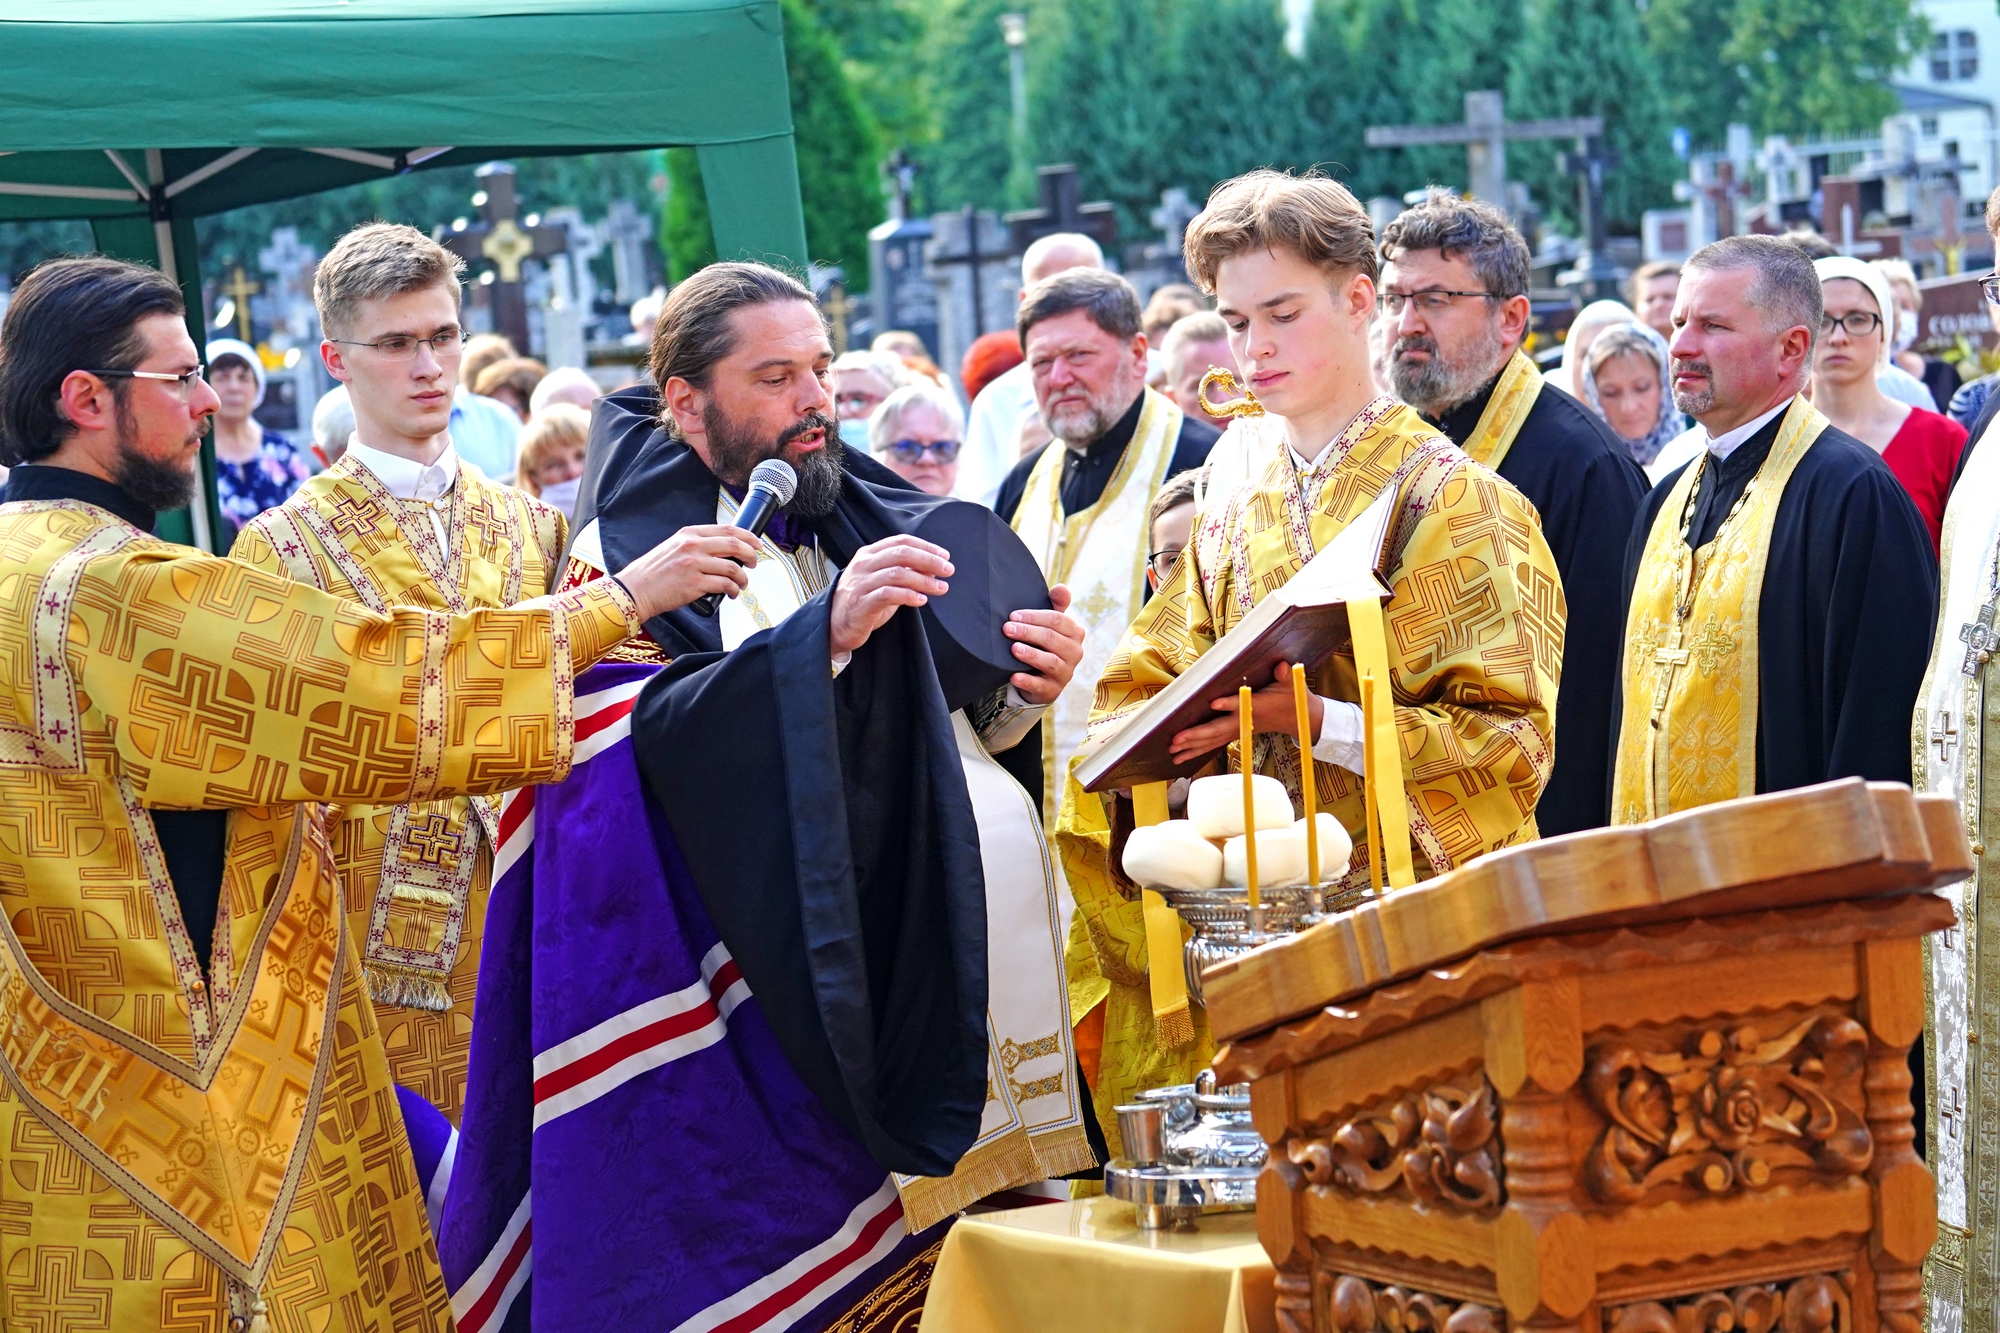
(1639, 1080)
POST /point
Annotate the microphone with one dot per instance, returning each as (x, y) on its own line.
(772, 484)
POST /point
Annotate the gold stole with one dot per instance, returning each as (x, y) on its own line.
(1700, 693)
(1520, 384)
(432, 849)
(1107, 576)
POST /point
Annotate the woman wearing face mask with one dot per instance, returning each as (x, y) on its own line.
(861, 381)
(255, 469)
(916, 433)
(1625, 381)
(1938, 375)
(551, 463)
(1920, 447)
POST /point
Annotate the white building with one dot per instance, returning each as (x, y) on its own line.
(1950, 94)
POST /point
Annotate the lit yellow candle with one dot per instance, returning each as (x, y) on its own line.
(1245, 734)
(1307, 779)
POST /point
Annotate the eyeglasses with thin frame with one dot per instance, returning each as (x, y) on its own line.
(1429, 301)
(1162, 562)
(1857, 323)
(911, 452)
(1990, 286)
(184, 381)
(403, 346)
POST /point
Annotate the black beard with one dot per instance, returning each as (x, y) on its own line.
(733, 453)
(156, 484)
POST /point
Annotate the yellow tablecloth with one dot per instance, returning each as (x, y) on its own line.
(1085, 1266)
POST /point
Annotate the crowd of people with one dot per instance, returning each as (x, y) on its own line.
(496, 771)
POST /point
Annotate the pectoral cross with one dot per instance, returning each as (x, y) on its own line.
(1666, 660)
(1944, 736)
(1980, 640)
(1950, 1111)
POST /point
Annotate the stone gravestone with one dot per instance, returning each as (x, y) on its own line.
(501, 240)
(572, 298)
(977, 278)
(1160, 261)
(902, 293)
(1061, 210)
(626, 230)
(286, 308)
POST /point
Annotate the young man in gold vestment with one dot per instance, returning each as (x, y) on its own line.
(1474, 621)
(402, 520)
(1781, 587)
(198, 1129)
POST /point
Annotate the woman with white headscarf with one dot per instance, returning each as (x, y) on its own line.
(1590, 321)
(1627, 382)
(255, 469)
(1855, 341)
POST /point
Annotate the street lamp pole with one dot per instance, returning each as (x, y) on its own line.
(1014, 29)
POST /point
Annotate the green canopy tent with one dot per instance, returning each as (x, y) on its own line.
(142, 115)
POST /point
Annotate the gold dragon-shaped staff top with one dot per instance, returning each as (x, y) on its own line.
(1244, 406)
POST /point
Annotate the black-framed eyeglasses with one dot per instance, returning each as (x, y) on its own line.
(403, 346)
(911, 452)
(1429, 301)
(1856, 323)
(1162, 562)
(184, 381)
(1990, 287)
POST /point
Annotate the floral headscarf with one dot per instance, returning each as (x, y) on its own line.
(1622, 338)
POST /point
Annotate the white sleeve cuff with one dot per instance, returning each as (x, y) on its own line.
(1342, 736)
(840, 661)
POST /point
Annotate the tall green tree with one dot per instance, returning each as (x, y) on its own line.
(1589, 58)
(1816, 65)
(1781, 66)
(966, 75)
(837, 155)
(1401, 62)
(1101, 102)
(1237, 98)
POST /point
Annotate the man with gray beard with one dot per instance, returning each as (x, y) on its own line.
(1455, 298)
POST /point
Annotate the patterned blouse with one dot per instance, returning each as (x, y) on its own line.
(246, 490)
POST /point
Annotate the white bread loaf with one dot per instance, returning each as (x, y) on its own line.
(1281, 855)
(1172, 856)
(1215, 805)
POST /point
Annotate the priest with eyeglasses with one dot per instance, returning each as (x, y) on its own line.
(1455, 295)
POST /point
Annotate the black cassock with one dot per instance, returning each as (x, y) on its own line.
(1844, 621)
(825, 820)
(1588, 491)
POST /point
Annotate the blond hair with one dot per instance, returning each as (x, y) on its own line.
(1317, 219)
(377, 260)
(556, 428)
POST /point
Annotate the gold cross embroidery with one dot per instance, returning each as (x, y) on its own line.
(432, 839)
(1712, 645)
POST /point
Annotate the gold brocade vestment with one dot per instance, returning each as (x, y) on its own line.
(180, 1147)
(416, 876)
(1475, 632)
(1688, 735)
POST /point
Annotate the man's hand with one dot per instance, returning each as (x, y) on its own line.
(696, 561)
(1271, 709)
(1051, 643)
(884, 575)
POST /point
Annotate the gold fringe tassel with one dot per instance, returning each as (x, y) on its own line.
(413, 893)
(1060, 1152)
(406, 988)
(1008, 1161)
